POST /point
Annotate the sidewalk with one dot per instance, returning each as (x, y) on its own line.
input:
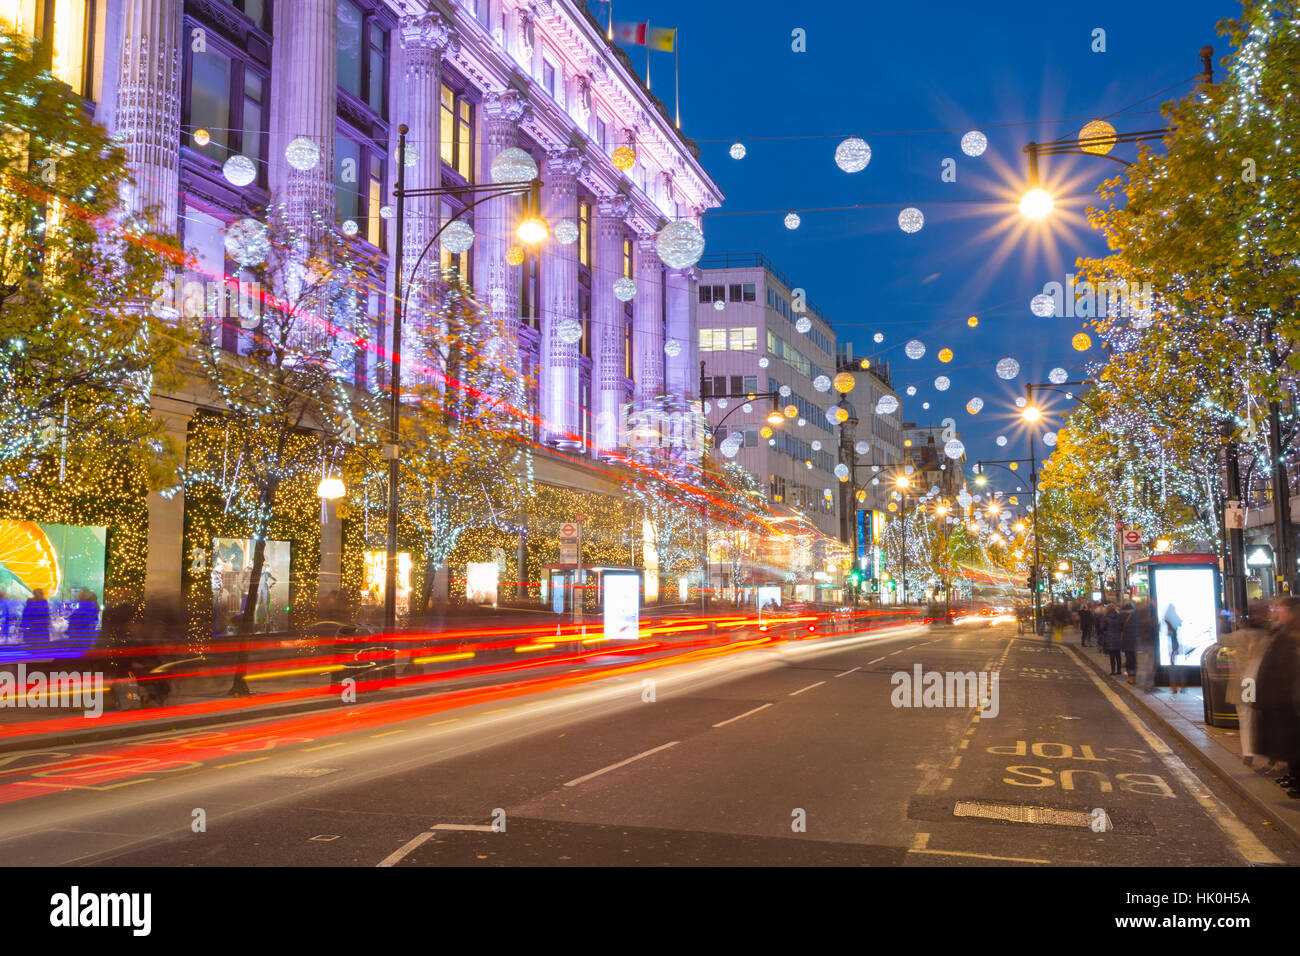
(1183, 716)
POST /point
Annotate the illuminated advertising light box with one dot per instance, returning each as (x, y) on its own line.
(769, 594)
(51, 589)
(622, 606)
(232, 560)
(1185, 602)
(374, 578)
(481, 580)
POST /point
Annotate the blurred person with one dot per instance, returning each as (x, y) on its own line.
(36, 617)
(83, 621)
(1128, 627)
(1276, 700)
(1087, 625)
(1247, 645)
(1111, 639)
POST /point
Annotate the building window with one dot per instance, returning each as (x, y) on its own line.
(601, 133)
(584, 317)
(548, 77)
(482, 11)
(362, 44)
(530, 308)
(73, 35)
(713, 340)
(735, 292)
(751, 384)
(743, 340)
(457, 133)
(748, 292)
(627, 347)
(627, 259)
(227, 97)
(584, 233)
(359, 185)
(751, 437)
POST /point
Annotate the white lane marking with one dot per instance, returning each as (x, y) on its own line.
(622, 763)
(393, 858)
(323, 746)
(1245, 842)
(745, 714)
(876, 661)
(809, 687)
(981, 856)
(848, 672)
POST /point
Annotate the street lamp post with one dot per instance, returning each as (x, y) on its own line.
(532, 229)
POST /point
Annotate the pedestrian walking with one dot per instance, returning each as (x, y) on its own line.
(1128, 628)
(1247, 645)
(1087, 625)
(1143, 625)
(36, 617)
(1279, 670)
(1111, 641)
(83, 621)
(1173, 621)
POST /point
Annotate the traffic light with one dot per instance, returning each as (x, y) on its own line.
(1033, 579)
(855, 578)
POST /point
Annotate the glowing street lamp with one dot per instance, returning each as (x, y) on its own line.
(775, 418)
(1031, 413)
(1036, 204)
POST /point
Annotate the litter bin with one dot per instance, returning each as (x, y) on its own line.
(1215, 664)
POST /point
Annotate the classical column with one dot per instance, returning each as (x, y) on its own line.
(149, 104)
(306, 105)
(608, 339)
(560, 295)
(424, 38)
(681, 372)
(648, 324)
(164, 555)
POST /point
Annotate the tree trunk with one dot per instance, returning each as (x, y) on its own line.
(239, 686)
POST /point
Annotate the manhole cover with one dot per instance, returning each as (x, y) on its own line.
(1022, 814)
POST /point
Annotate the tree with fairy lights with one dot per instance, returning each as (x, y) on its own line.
(284, 368)
(463, 466)
(737, 524)
(80, 349)
(1206, 353)
(673, 504)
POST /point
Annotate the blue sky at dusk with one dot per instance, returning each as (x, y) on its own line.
(1017, 71)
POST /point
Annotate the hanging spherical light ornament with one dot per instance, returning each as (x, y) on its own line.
(974, 405)
(565, 232)
(945, 355)
(911, 219)
(1020, 401)
(1058, 376)
(624, 158)
(672, 348)
(747, 408)
(803, 325)
(1008, 368)
(737, 151)
(624, 289)
(385, 212)
(926, 406)
(841, 414)
(569, 331)
(973, 321)
(513, 165)
(679, 244)
(1049, 439)
(722, 403)
(765, 431)
(862, 447)
(914, 349)
(719, 305)
(878, 337)
(1102, 135)
(803, 422)
(816, 445)
(784, 391)
(239, 170)
(248, 242)
(792, 220)
(412, 155)
(729, 448)
(911, 390)
(941, 383)
(764, 362)
(822, 383)
(457, 236)
(1042, 305)
(1081, 342)
(350, 227)
(1002, 441)
(790, 411)
(887, 405)
(954, 449)
(515, 255)
(843, 383)
(842, 471)
(852, 155)
(302, 153)
(202, 137)
(974, 143)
